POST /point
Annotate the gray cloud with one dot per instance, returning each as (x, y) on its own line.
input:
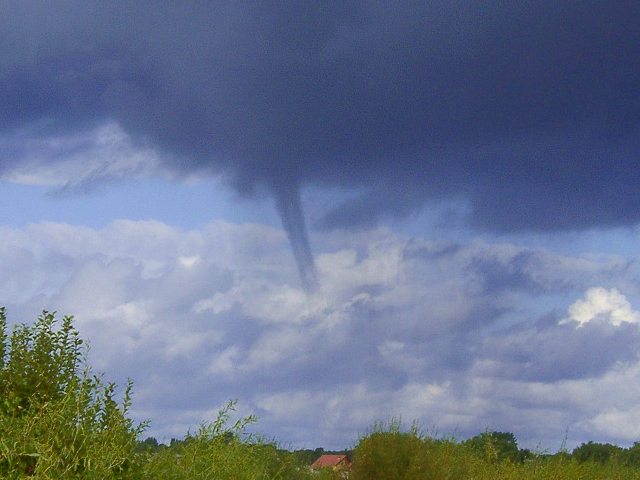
(529, 110)
(550, 352)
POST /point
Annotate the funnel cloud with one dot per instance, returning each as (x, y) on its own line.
(289, 207)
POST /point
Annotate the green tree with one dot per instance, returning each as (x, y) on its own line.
(632, 455)
(597, 452)
(495, 446)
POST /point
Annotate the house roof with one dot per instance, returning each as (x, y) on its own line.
(330, 461)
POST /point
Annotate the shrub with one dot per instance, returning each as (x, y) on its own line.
(496, 446)
(221, 451)
(597, 452)
(57, 419)
(387, 453)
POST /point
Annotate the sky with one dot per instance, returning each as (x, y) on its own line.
(336, 212)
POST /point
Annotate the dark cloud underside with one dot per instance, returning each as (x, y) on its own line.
(529, 110)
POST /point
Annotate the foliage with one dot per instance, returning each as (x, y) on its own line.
(597, 452)
(149, 446)
(387, 448)
(631, 456)
(57, 419)
(496, 446)
(219, 451)
(390, 453)
(60, 421)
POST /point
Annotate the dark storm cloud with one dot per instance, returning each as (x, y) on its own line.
(529, 110)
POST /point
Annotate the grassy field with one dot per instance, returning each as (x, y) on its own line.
(59, 420)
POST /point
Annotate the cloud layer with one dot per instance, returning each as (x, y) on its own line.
(451, 334)
(527, 111)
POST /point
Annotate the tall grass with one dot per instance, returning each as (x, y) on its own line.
(220, 451)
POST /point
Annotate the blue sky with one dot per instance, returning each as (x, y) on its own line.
(334, 214)
(185, 205)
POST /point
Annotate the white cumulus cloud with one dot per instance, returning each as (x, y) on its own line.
(600, 303)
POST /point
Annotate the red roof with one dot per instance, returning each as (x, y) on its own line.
(330, 461)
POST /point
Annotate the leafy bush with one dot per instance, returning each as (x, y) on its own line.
(597, 452)
(387, 452)
(57, 419)
(219, 451)
(496, 446)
